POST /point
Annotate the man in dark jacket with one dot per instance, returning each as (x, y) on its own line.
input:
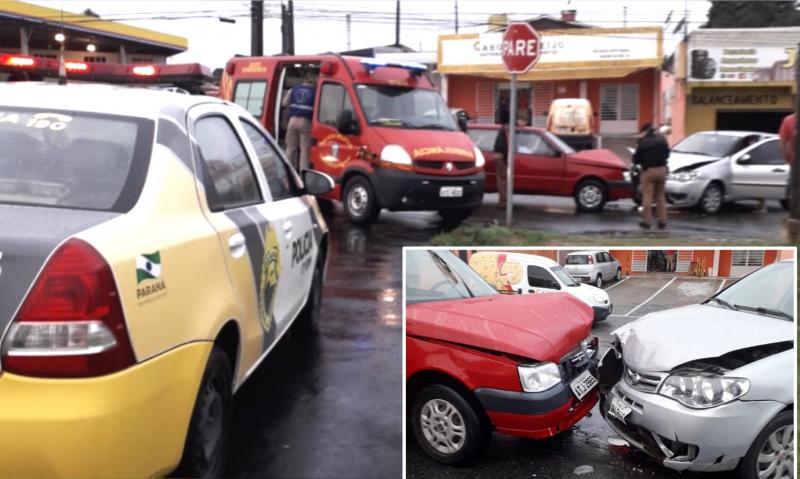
(499, 157)
(651, 154)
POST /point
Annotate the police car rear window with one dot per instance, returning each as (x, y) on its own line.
(68, 159)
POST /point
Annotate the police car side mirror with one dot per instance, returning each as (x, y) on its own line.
(347, 123)
(317, 183)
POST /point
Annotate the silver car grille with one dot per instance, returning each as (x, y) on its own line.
(641, 381)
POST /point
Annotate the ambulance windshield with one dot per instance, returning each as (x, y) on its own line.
(403, 107)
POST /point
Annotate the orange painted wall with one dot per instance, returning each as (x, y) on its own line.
(624, 258)
(462, 92)
(724, 263)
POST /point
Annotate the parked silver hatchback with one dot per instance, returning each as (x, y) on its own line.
(710, 387)
(593, 267)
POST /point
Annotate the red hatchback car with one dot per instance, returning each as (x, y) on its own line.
(478, 361)
(545, 165)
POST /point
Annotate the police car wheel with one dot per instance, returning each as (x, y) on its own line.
(772, 453)
(591, 196)
(207, 442)
(360, 203)
(309, 316)
(446, 426)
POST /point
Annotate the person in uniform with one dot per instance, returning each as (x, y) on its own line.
(300, 101)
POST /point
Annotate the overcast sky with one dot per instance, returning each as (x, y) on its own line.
(321, 25)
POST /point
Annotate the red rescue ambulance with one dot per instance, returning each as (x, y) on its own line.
(381, 129)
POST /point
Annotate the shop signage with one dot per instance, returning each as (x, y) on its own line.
(735, 99)
(742, 63)
(596, 47)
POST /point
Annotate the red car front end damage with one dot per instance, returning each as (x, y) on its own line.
(477, 344)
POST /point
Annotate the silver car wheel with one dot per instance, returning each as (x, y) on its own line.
(357, 200)
(776, 459)
(590, 196)
(712, 199)
(443, 426)
(598, 282)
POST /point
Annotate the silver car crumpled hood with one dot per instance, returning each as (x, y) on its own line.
(688, 161)
(661, 341)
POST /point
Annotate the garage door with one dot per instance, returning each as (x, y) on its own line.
(744, 262)
(619, 108)
(639, 261)
(684, 261)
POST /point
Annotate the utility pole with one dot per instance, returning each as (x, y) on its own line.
(397, 25)
(456, 5)
(290, 16)
(625, 16)
(347, 19)
(257, 28)
(793, 223)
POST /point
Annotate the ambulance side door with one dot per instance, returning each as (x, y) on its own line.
(332, 151)
(291, 254)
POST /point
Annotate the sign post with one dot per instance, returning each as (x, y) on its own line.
(520, 51)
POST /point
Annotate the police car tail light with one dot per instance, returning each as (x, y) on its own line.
(71, 323)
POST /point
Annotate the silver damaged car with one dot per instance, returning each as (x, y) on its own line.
(709, 387)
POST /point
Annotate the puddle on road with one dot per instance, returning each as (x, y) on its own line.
(697, 288)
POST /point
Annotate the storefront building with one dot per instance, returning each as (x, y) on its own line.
(616, 69)
(712, 263)
(731, 79)
(34, 30)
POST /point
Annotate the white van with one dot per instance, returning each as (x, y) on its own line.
(526, 273)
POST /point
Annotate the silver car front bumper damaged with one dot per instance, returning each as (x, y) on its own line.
(682, 438)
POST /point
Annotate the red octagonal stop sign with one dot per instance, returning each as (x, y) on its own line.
(521, 46)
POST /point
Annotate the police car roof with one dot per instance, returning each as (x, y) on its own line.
(135, 101)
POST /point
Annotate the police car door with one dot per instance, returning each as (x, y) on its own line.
(292, 214)
(232, 195)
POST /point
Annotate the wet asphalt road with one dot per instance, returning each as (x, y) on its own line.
(557, 215)
(585, 444)
(331, 407)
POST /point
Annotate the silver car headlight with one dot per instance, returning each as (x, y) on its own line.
(685, 176)
(539, 377)
(703, 391)
(479, 159)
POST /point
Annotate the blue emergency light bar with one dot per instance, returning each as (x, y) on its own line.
(416, 69)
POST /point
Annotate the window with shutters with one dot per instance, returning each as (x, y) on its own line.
(743, 257)
(619, 108)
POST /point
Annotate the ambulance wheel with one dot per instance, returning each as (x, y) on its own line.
(446, 426)
(309, 316)
(455, 216)
(591, 196)
(359, 200)
(208, 440)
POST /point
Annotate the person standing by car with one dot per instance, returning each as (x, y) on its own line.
(300, 100)
(651, 154)
(500, 159)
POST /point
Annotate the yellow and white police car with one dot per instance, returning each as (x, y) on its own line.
(154, 247)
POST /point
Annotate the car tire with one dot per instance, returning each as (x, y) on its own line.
(591, 196)
(205, 451)
(447, 413)
(598, 281)
(455, 216)
(749, 466)
(618, 276)
(712, 199)
(359, 200)
(309, 316)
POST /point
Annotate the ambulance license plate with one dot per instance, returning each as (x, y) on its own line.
(451, 191)
(583, 384)
(619, 409)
